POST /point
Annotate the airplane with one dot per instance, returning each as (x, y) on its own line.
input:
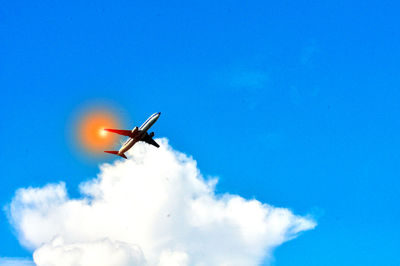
(135, 135)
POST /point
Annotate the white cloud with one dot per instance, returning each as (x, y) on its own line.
(101, 252)
(153, 209)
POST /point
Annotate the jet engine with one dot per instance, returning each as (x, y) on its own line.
(134, 130)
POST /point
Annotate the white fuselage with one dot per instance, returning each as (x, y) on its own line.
(139, 133)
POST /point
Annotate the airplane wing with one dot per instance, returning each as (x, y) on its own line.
(127, 133)
(149, 140)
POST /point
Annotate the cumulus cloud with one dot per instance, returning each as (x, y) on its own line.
(100, 252)
(153, 209)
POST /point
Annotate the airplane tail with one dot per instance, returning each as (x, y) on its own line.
(116, 153)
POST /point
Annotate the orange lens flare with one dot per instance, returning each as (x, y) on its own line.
(91, 133)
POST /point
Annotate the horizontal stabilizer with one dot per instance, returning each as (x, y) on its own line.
(116, 153)
(127, 133)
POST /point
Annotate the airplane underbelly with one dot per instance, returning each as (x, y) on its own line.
(126, 147)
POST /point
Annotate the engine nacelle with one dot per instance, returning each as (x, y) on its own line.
(134, 130)
(151, 134)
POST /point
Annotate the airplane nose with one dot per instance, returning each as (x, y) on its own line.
(159, 113)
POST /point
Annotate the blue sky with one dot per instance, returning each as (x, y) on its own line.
(294, 104)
